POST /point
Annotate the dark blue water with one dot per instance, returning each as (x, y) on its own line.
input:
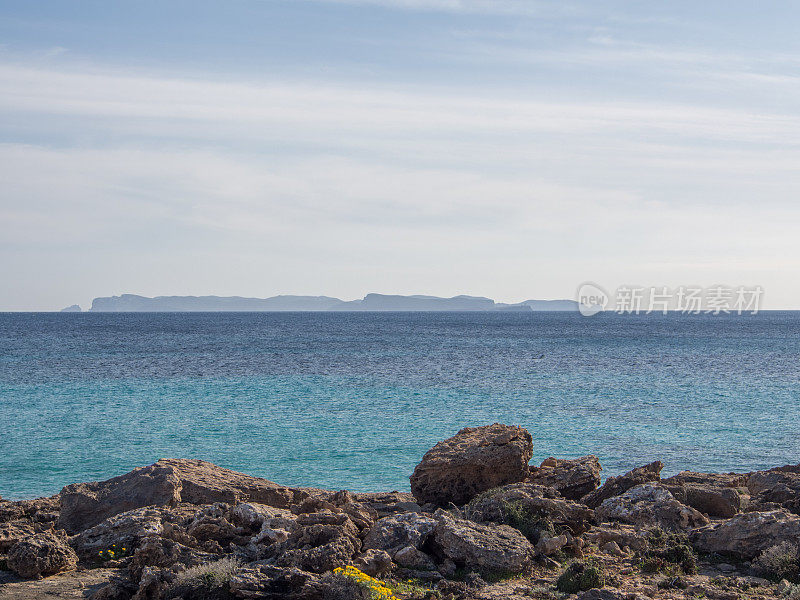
(353, 400)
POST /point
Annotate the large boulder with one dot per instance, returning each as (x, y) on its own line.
(573, 478)
(746, 535)
(165, 553)
(778, 487)
(530, 501)
(650, 505)
(166, 483)
(396, 532)
(40, 510)
(484, 547)
(270, 582)
(719, 495)
(615, 486)
(41, 554)
(472, 461)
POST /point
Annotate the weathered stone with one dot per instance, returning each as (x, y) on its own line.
(125, 530)
(723, 502)
(548, 545)
(319, 544)
(533, 499)
(274, 583)
(650, 505)
(396, 532)
(413, 558)
(779, 487)
(606, 593)
(485, 547)
(573, 478)
(748, 534)
(472, 461)
(623, 535)
(388, 503)
(375, 563)
(615, 486)
(164, 553)
(40, 510)
(41, 554)
(717, 480)
(166, 483)
(13, 532)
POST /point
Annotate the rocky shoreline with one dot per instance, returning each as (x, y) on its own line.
(480, 523)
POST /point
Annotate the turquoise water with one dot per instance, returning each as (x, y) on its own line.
(353, 400)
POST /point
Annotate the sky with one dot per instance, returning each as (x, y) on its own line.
(504, 148)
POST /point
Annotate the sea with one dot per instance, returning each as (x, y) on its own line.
(353, 400)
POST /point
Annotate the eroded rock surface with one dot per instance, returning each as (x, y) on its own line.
(748, 534)
(573, 478)
(650, 505)
(472, 461)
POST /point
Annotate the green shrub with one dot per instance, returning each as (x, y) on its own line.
(205, 582)
(781, 561)
(580, 576)
(669, 553)
(527, 521)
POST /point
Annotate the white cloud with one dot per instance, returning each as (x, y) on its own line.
(346, 189)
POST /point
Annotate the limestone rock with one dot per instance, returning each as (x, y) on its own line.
(413, 558)
(166, 483)
(394, 533)
(650, 505)
(321, 542)
(606, 593)
(535, 500)
(572, 478)
(269, 582)
(375, 563)
(124, 530)
(41, 554)
(164, 553)
(615, 486)
(722, 502)
(748, 534)
(472, 461)
(621, 534)
(484, 547)
(780, 486)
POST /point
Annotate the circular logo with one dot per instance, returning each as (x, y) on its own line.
(591, 299)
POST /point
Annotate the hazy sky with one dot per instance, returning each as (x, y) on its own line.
(507, 148)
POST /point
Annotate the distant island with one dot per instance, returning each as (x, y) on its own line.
(369, 303)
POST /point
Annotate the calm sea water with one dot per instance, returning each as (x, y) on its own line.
(353, 400)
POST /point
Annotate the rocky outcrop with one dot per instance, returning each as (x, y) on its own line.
(124, 530)
(166, 483)
(714, 494)
(573, 478)
(472, 461)
(41, 554)
(165, 553)
(484, 547)
(778, 487)
(648, 505)
(615, 486)
(748, 534)
(536, 501)
(395, 533)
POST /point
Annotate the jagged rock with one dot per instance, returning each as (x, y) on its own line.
(748, 534)
(40, 510)
(718, 480)
(534, 499)
(780, 487)
(615, 486)
(163, 553)
(723, 502)
(389, 503)
(41, 554)
(623, 535)
(125, 530)
(649, 505)
(375, 563)
(573, 478)
(472, 461)
(396, 532)
(13, 532)
(413, 558)
(274, 583)
(166, 483)
(322, 542)
(211, 523)
(153, 584)
(485, 547)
